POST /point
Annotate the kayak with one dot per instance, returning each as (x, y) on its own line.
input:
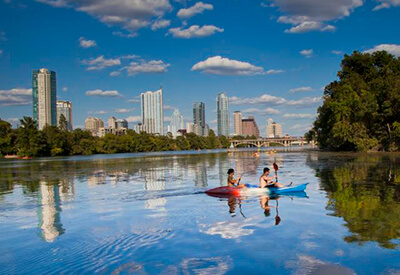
(254, 189)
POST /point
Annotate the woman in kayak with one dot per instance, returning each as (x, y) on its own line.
(267, 181)
(232, 182)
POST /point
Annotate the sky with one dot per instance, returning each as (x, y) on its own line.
(271, 57)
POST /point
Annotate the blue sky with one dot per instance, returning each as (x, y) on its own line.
(271, 57)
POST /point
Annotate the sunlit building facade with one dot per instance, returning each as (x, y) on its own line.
(250, 128)
(274, 130)
(44, 95)
(199, 118)
(152, 112)
(223, 114)
(237, 123)
(176, 123)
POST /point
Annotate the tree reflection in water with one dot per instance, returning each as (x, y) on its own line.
(364, 190)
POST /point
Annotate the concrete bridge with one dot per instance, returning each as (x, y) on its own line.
(266, 142)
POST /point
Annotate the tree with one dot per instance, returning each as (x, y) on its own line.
(63, 124)
(5, 137)
(361, 109)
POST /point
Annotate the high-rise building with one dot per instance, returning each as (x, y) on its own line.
(189, 127)
(65, 108)
(237, 121)
(274, 130)
(249, 127)
(93, 124)
(121, 123)
(44, 95)
(112, 123)
(176, 122)
(152, 112)
(223, 115)
(199, 118)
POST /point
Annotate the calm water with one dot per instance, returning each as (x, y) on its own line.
(148, 214)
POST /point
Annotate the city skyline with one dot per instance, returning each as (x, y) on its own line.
(274, 65)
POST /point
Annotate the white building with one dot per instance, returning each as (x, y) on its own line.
(274, 130)
(112, 123)
(44, 98)
(65, 108)
(152, 112)
(223, 115)
(237, 121)
(189, 127)
(176, 123)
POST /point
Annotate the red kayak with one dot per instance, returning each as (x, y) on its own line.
(224, 190)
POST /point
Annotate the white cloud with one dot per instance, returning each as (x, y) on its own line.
(115, 73)
(307, 53)
(123, 111)
(390, 48)
(134, 100)
(167, 119)
(160, 24)
(295, 116)
(15, 97)
(85, 43)
(194, 31)
(143, 66)
(126, 35)
(386, 4)
(65, 89)
(134, 119)
(301, 90)
(301, 127)
(100, 112)
(267, 111)
(168, 107)
(130, 15)
(197, 8)
(274, 71)
(100, 63)
(307, 101)
(3, 36)
(312, 15)
(101, 93)
(224, 66)
(264, 99)
(337, 52)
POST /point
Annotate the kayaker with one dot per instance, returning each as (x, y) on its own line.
(232, 182)
(268, 181)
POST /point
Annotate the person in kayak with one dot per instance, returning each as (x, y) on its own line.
(232, 182)
(268, 181)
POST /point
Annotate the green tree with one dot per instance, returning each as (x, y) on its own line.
(6, 145)
(63, 124)
(361, 109)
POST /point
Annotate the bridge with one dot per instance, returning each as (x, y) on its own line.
(266, 142)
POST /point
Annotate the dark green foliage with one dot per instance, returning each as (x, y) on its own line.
(27, 140)
(361, 111)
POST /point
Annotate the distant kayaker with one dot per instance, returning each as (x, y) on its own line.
(268, 181)
(232, 182)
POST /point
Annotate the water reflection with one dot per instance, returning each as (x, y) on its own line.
(364, 190)
(49, 211)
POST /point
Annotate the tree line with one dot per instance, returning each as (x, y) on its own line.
(28, 141)
(361, 110)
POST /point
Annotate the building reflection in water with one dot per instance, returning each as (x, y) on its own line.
(49, 211)
(155, 181)
(200, 175)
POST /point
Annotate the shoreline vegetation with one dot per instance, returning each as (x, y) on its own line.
(361, 110)
(27, 141)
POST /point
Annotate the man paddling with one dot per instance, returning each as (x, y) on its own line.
(232, 182)
(267, 181)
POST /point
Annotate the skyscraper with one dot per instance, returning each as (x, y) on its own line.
(93, 124)
(152, 112)
(44, 95)
(223, 115)
(112, 123)
(274, 130)
(121, 123)
(250, 128)
(176, 122)
(199, 118)
(65, 108)
(237, 121)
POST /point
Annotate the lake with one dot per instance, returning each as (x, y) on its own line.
(148, 214)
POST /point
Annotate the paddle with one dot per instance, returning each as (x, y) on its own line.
(276, 170)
